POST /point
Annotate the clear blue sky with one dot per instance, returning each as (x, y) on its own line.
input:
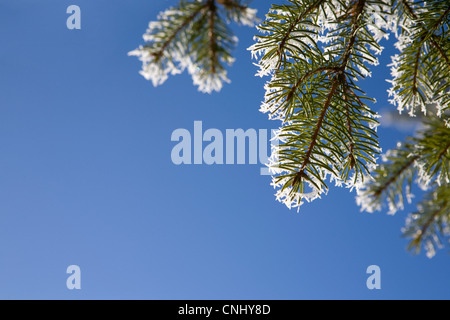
(86, 178)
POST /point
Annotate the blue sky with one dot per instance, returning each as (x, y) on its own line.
(86, 178)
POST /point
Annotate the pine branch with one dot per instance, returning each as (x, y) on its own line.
(425, 227)
(359, 6)
(291, 33)
(413, 87)
(313, 142)
(394, 177)
(174, 34)
(444, 151)
(292, 26)
(433, 37)
(351, 155)
(430, 223)
(440, 50)
(193, 36)
(212, 37)
(439, 21)
(416, 68)
(337, 80)
(409, 9)
(240, 13)
(314, 58)
(424, 157)
(301, 80)
(232, 4)
(327, 129)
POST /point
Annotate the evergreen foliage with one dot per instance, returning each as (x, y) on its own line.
(315, 52)
(193, 36)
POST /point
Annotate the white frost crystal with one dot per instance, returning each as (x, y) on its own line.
(174, 58)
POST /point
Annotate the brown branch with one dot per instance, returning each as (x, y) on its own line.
(232, 4)
(433, 36)
(409, 9)
(212, 36)
(438, 22)
(159, 54)
(439, 49)
(358, 10)
(301, 173)
(306, 76)
(346, 56)
(418, 239)
(349, 127)
(416, 69)
(356, 96)
(301, 80)
(397, 174)
(441, 154)
(281, 46)
(320, 122)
